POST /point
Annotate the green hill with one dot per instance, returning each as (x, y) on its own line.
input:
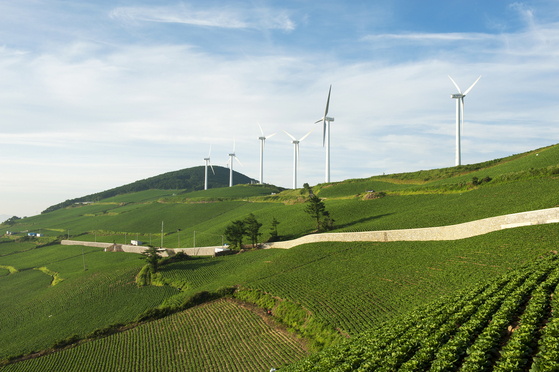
(323, 292)
(185, 180)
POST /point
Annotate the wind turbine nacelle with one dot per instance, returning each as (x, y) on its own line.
(261, 138)
(206, 159)
(329, 119)
(456, 95)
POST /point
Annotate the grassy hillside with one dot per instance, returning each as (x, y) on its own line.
(184, 180)
(34, 313)
(324, 292)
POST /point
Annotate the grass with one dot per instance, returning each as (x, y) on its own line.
(85, 301)
(324, 291)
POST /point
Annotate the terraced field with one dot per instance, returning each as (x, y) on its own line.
(219, 336)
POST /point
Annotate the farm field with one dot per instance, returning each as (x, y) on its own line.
(210, 219)
(79, 304)
(218, 336)
(496, 325)
(354, 286)
(323, 292)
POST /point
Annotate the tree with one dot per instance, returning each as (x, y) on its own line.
(235, 232)
(11, 221)
(252, 228)
(151, 255)
(274, 230)
(327, 223)
(315, 208)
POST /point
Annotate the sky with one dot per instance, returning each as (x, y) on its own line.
(98, 94)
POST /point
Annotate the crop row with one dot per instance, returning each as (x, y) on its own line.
(496, 326)
(218, 336)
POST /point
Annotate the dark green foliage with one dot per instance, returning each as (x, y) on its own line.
(274, 230)
(151, 256)
(235, 232)
(67, 341)
(252, 227)
(190, 179)
(11, 221)
(316, 209)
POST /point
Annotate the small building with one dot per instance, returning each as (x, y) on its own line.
(136, 242)
(31, 234)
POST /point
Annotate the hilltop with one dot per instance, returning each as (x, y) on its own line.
(185, 180)
(320, 294)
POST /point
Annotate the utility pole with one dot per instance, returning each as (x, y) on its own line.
(161, 234)
(179, 236)
(83, 256)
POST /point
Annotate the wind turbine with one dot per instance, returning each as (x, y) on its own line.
(230, 163)
(296, 155)
(460, 116)
(326, 134)
(207, 160)
(262, 141)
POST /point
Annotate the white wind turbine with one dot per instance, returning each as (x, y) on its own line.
(326, 134)
(230, 163)
(207, 160)
(460, 116)
(296, 155)
(262, 141)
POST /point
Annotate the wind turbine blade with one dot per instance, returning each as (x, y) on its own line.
(210, 150)
(236, 158)
(470, 88)
(319, 120)
(211, 167)
(233, 145)
(324, 134)
(327, 102)
(271, 135)
(307, 134)
(260, 129)
(290, 136)
(456, 85)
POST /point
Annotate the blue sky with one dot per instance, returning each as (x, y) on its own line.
(94, 95)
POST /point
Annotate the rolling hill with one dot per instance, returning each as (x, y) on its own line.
(185, 180)
(343, 295)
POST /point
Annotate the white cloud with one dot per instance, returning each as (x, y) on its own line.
(222, 17)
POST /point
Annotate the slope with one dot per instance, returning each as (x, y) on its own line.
(185, 180)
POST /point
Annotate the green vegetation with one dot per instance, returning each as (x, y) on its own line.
(220, 336)
(323, 292)
(34, 313)
(493, 325)
(189, 179)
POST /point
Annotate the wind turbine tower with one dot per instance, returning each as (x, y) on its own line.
(326, 134)
(207, 160)
(262, 141)
(230, 163)
(296, 155)
(460, 116)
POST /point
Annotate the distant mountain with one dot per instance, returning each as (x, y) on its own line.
(189, 179)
